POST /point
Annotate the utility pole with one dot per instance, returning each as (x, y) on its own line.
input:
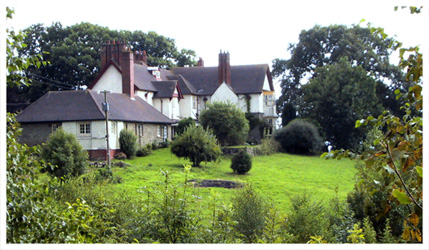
(106, 109)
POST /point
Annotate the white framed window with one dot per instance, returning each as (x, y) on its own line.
(194, 102)
(85, 128)
(158, 131)
(140, 130)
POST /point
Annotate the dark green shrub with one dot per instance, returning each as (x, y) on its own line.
(144, 151)
(197, 145)
(164, 144)
(299, 137)
(128, 143)
(120, 156)
(183, 124)
(249, 211)
(241, 163)
(227, 121)
(155, 145)
(63, 151)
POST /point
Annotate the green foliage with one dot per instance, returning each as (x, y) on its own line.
(241, 162)
(144, 151)
(74, 55)
(16, 65)
(268, 146)
(336, 97)
(249, 212)
(369, 232)
(174, 220)
(33, 215)
(356, 235)
(307, 218)
(197, 145)
(288, 114)
(227, 121)
(64, 152)
(299, 137)
(387, 234)
(183, 124)
(396, 156)
(128, 143)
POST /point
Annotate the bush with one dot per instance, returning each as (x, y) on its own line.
(197, 145)
(63, 151)
(268, 146)
(164, 144)
(249, 211)
(120, 156)
(299, 137)
(307, 218)
(144, 151)
(183, 124)
(241, 163)
(227, 121)
(128, 143)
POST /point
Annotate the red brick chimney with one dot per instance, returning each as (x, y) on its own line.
(201, 62)
(224, 68)
(140, 56)
(111, 51)
(127, 66)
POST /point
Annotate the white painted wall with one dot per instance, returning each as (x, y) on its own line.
(186, 109)
(164, 106)
(95, 140)
(266, 84)
(142, 95)
(256, 103)
(111, 80)
(224, 94)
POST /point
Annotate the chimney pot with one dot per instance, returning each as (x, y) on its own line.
(201, 62)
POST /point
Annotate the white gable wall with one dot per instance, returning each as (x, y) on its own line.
(266, 84)
(111, 80)
(143, 94)
(224, 94)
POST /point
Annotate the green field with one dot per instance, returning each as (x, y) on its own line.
(277, 177)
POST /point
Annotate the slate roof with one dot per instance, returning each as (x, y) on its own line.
(246, 79)
(86, 105)
(165, 89)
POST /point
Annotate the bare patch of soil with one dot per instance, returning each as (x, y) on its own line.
(216, 183)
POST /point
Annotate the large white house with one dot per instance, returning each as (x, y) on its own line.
(185, 91)
(147, 100)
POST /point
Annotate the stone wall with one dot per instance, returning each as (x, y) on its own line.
(35, 133)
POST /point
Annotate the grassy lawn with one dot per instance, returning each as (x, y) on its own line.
(277, 177)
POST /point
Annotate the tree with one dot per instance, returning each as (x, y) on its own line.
(397, 155)
(197, 145)
(64, 152)
(73, 53)
(183, 124)
(227, 121)
(321, 46)
(336, 97)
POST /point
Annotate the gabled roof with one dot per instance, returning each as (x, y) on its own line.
(165, 88)
(86, 105)
(246, 79)
(186, 87)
